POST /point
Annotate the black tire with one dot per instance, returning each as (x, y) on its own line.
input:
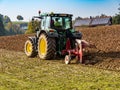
(30, 49)
(46, 47)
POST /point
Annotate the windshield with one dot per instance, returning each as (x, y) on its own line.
(61, 22)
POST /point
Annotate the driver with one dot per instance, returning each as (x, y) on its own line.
(57, 23)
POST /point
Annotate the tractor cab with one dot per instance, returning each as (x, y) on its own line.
(58, 22)
(61, 22)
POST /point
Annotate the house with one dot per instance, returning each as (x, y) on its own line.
(101, 21)
(82, 22)
(93, 21)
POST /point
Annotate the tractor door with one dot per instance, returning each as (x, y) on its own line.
(45, 24)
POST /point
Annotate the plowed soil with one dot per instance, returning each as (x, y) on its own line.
(106, 55)
(15, 43)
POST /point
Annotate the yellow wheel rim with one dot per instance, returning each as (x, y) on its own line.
(42, 46)
(29, 47)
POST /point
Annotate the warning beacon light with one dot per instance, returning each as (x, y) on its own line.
(39, 12)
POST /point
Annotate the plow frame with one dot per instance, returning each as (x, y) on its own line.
(77, 51)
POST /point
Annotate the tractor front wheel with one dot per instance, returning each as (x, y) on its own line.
(46, 47)
(30, 49)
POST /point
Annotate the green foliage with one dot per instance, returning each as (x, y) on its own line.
(11, 28)
(33, 26)
(116, 18)
(1, 17)
(6, 19)
(19, 17)
(19, 22)
(8, 26)
(2, 30)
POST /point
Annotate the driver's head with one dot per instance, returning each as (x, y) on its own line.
(56, 19)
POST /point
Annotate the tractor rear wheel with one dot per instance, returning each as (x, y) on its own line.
(46, 47)
(30, 49)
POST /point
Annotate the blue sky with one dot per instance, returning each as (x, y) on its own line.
(82, 8)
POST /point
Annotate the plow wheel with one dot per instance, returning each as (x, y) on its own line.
(30, 49)
(67, 59)
(46, 47)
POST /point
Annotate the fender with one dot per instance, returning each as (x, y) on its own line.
(77, 35)
(49, 34)
(52, 34)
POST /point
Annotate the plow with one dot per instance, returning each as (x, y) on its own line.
(56, 37)
(78, 51)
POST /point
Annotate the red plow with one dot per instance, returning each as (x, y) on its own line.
(77, 51)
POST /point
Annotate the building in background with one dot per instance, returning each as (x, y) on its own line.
(97, 21)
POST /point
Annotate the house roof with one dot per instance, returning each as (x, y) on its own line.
(82, 22)
(93, 21)
(100, 21)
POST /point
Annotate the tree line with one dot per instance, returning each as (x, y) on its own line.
(7, 27)
(116, 18)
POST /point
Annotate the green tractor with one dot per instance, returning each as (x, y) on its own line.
(52, 35)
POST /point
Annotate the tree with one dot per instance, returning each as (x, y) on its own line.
(19, 17)
(103, 15)
(6, 19)
(1, 17)
(78, 18)
(2, 30)
(116, 18)
(119, 9)
(32, 26)
(8, 26)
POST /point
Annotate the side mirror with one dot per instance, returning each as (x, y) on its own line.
(39, 12)
(32, 19)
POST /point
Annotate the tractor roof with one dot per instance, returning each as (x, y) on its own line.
(57, 15)
(53, 15)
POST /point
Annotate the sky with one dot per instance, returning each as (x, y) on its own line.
(82, 8)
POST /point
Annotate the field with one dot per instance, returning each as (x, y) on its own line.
(101, 72)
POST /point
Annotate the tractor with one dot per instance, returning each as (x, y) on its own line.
(55, 36)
